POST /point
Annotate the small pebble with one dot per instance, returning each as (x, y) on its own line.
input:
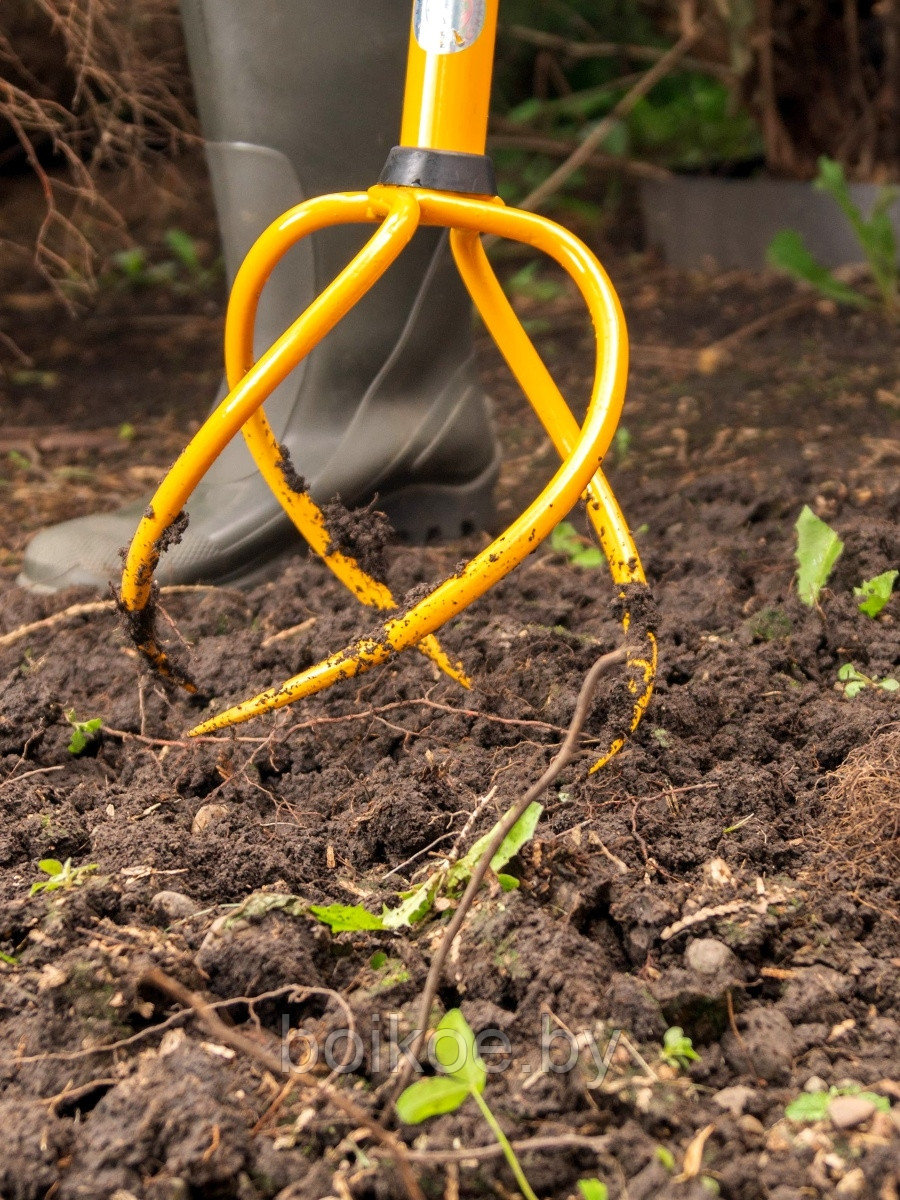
(777, 1141)
(718, 872)
(51, 977)
(846, 1112)
(853, 1183)
(734, 1099)
(883, 1126)
(752, 1125)
(812, 1136)
(708, 956)
(207, 816)
(174, 906)
(815, 1083)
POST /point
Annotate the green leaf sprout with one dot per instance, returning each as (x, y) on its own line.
(788, 252)
(678, 1049)
(465, 1075)
(813, 1106)
(580, 552)
(418, 902)
(593, 1189)
(818, 549)
(854, 681)
(61, 875)
(875, 592)
(83, 732)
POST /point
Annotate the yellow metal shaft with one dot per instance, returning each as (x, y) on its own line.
(448, 75)
(547, 401)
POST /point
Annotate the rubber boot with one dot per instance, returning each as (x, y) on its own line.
(299, 98)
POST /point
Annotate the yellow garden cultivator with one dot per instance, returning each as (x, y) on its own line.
(439, 175)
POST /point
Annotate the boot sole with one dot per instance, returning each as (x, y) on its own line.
(420, 514)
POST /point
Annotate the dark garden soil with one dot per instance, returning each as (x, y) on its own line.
(733, 871)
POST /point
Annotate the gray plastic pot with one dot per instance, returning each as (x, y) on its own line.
(699, 221)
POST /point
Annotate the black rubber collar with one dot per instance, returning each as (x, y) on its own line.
(440, 170)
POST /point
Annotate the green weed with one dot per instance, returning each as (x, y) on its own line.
(448, 880)
(678, 1049)
(813, 1106)
(580, 551)
(61, 875)
(818, 549)
(665, 1156)
(528, 284)
(463, 1076)
(875, 592)
(593, 1189)
(183, 271)
(83, 732)
(875, 235)
(621, 444)
(415, 904)
(854, 681)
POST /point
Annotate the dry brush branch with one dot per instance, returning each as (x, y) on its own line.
(88, 86)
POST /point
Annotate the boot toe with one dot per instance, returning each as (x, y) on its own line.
(83, 552)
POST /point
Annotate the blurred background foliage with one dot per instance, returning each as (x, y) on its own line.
(91, 88)
(765, 84)
(563, 66)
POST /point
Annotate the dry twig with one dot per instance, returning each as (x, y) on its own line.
(98, 606)
(601, 130)
(228, 1036)
(121, 98)
(638, 53)
(557, 763)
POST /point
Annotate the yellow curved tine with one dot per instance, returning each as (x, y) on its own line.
(398, 226)
(557, 498)
(398, 223)
(240, 319)
(545, 397)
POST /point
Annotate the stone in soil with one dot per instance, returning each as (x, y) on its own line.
(846, 1112)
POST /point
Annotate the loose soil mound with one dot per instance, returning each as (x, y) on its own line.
(729, 872)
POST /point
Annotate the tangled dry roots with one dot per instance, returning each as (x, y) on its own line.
(861, 825)
(87, 86)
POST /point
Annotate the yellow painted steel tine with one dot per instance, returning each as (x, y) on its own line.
(275, 365)
(251, 388)
(545, 397)
(240, 320)
(557, 498)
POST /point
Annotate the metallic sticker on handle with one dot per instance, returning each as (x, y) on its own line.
(447, 26)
